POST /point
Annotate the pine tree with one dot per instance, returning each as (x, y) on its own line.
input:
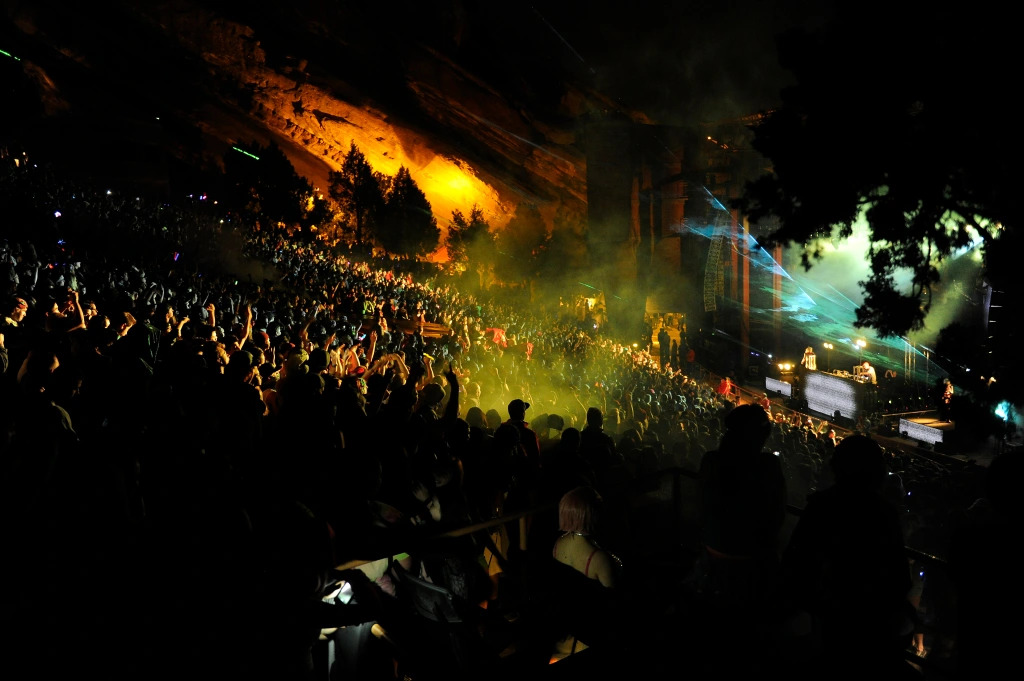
(566, 252)
(470, 243)
(262, 182)
(408, 226)
(469, 237)
(521, 244)
(359, 192)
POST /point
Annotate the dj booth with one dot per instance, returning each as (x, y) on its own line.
(839, 391)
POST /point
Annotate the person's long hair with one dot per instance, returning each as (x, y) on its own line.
(579, 510)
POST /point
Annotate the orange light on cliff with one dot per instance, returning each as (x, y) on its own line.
(449, 186)
(448, 183)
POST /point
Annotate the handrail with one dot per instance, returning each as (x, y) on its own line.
(406, 544)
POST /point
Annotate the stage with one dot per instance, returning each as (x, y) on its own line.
(932, 421)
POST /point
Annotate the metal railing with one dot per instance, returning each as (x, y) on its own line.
(934, 640)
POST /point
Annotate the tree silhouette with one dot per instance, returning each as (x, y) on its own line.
(521, 243)
(262, 182)
(407, 225)
(887, 135)
(566, 252)
(317, 212)
(359, 193)
(469, 237)
(470, 243)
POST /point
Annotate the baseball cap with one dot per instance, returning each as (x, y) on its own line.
(517, 407)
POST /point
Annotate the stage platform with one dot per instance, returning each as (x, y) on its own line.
(933, 422)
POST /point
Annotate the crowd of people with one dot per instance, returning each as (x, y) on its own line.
(190, 452)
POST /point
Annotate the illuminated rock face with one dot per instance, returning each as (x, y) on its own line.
(313, 84)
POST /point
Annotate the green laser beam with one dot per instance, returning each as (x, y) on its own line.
(597, 289)
(243, 151)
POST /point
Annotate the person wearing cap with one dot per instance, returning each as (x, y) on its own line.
(527, 436)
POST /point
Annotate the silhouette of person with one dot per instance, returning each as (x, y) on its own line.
(984, 565)
(732, 585)
(846, 566)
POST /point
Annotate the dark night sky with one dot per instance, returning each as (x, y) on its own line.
(692, 60)
(699, 58)
(679, 62)
(685, 61)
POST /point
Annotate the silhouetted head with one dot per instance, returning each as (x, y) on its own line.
(570, 440)
(859, 461)
(475, 417)
(747, 427)
(432, 394)
(493, 419)
(517, 410)
(240, 365)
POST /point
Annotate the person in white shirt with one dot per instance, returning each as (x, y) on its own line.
(809, 360)
(867, 370)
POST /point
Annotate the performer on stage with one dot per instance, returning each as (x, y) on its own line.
(945, 399)
(869, 371)
(809, 360)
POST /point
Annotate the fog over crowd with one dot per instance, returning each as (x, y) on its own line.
(188, 393)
